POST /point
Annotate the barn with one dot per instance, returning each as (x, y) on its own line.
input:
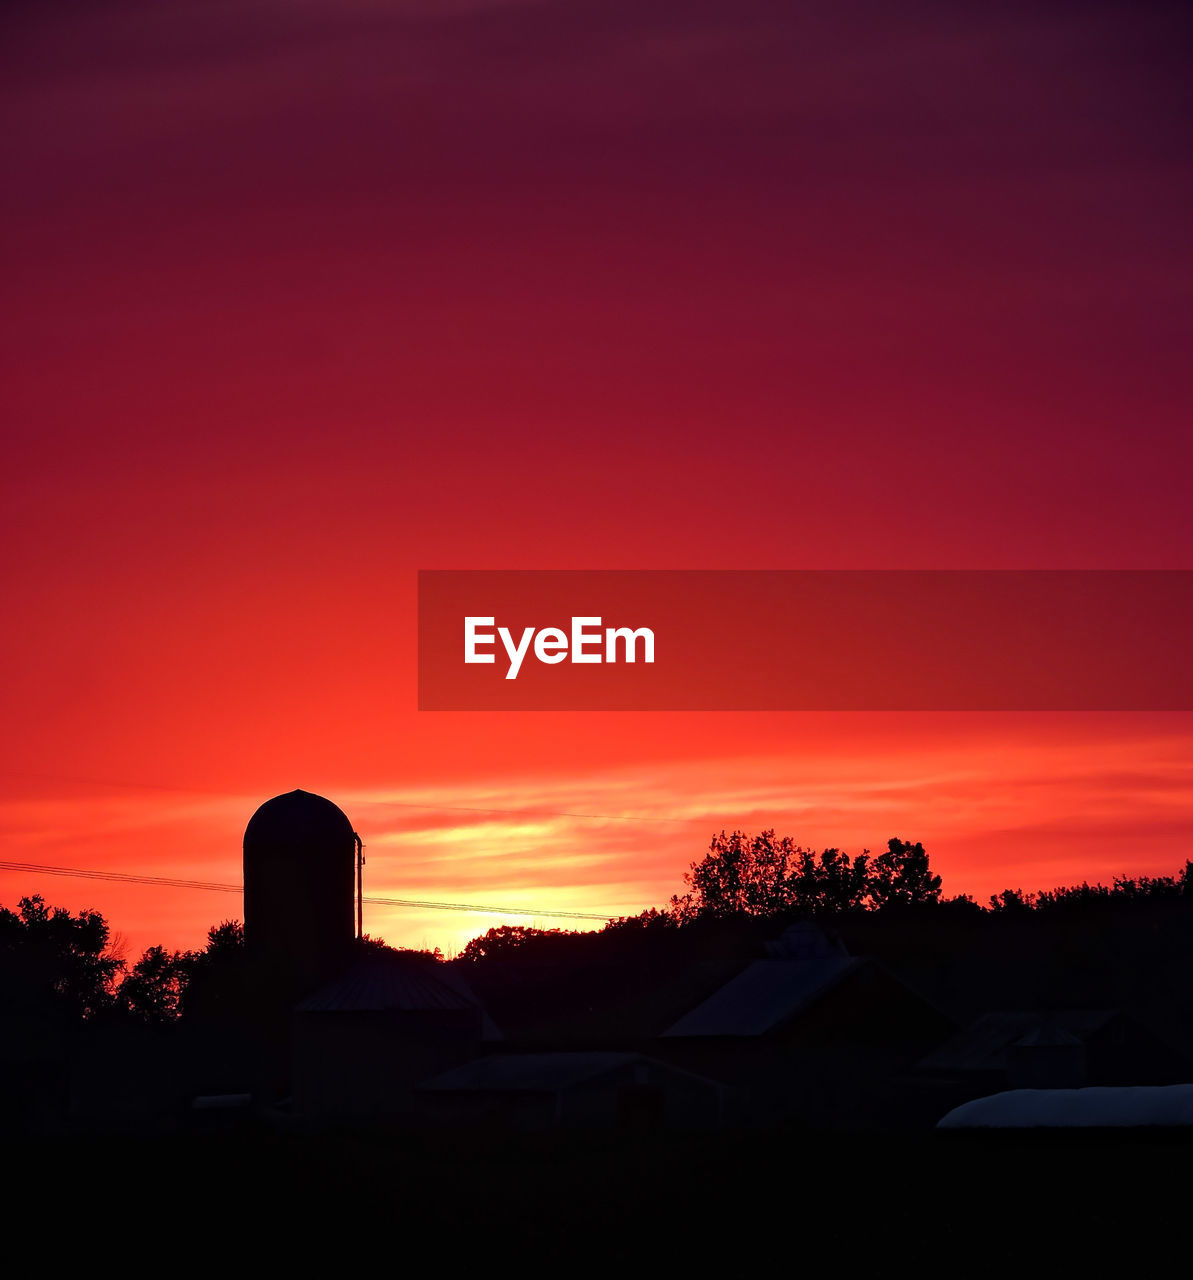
(812, 1033)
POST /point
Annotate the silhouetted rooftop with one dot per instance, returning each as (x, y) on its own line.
(983, 1045)
(297, 818)
(765, 996)
(394, 982)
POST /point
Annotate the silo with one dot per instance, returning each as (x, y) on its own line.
(299, 873)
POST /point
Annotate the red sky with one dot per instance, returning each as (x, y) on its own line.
(303, 298)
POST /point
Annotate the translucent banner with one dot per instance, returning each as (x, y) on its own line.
(810, 640)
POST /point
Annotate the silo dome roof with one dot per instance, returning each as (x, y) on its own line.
(298, 818)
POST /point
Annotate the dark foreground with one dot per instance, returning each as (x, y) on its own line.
(876, 1205)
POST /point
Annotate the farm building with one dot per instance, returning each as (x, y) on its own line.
(811, 1032)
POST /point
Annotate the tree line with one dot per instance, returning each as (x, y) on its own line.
(766, 875)
(763, 875)
(56, 961)
(51, 958)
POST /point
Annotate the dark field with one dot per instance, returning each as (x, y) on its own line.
(849, 1204)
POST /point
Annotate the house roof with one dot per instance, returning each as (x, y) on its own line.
(983, 1045)
(394, 982)
(766, 995)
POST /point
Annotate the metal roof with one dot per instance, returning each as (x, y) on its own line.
(983, 1045)
(394, 982)
(765, 996)
(1128, 1106)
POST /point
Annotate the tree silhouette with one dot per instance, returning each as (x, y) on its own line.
(153, 989)
(217, 980)
(503, 941)
(766, 875)
(224, 939)
(368, 945)
(736, 876)
(901, 877)
(1012, 901)
(1125, 889)
(651, 920)
(54, 960)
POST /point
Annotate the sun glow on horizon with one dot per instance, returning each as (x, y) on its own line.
(615, 841)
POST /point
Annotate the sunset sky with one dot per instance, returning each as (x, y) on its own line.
(304, 297)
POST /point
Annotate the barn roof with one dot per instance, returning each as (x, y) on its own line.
(393, 982)
(983, 1045)
(766, 995)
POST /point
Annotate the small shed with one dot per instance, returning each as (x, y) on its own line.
(574, 1090)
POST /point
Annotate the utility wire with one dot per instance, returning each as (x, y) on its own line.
(487, 910)
(124, 877)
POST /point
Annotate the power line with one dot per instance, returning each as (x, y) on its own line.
(122, 877)
(125, 877)
(487, 910)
